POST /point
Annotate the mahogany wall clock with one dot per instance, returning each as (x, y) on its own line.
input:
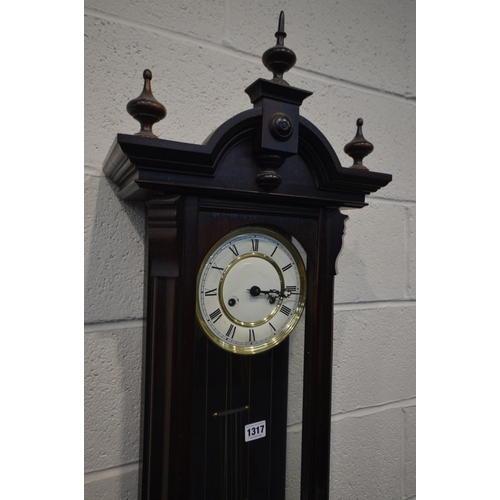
(242, 236)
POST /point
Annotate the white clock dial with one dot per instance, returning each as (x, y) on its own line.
(251, 290)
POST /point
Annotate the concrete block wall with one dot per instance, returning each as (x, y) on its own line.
(358, 57)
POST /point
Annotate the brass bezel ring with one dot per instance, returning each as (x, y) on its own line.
(289, 326)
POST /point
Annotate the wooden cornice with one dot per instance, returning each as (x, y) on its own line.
(145, 167)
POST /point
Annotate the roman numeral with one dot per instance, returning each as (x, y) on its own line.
(251, 335)
(219, 268)
(216, 316)
(211, 293)
(271, 325)
(285, 310)
(276, 248)
(231, 331)
(255, 245)
(234, 250)
(286, 268)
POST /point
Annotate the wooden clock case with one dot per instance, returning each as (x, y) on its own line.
(196, 397)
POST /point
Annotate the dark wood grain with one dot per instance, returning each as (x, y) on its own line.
(196, 397)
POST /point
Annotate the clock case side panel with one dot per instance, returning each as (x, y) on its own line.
(168, 353)
(318, 358)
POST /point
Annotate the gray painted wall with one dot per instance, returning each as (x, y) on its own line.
(358, 57)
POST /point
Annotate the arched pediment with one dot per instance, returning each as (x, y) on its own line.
(225, 165)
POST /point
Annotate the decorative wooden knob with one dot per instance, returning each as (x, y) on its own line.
(280, 126)
(359, 147)
(145, 108)
(279, 59)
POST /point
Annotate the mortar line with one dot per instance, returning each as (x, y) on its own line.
(328, 79)
(106, 326)
(374, 409)
(376, 304)
(96, 171)
(168, 33)
(110, 472)
(390, 201)
(226, 48)
(364, 412)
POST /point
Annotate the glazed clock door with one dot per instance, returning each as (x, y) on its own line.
(242, 351)
(251, 290)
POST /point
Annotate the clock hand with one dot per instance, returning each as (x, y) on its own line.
(284, 294)
(255, 291)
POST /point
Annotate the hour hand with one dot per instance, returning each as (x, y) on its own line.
(255, 291)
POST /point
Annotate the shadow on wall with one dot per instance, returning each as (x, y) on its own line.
(112, 411)
(114, 291)
(114, 254)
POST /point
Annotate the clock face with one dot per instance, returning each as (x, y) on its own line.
(251, 290)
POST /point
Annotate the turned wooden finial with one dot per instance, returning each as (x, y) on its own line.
(359, 147)
(279, 59)
(145, 108)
